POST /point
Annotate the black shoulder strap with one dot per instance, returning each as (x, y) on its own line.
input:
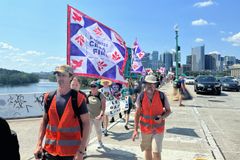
(98, 95)
(161, 94)
(141, 97)
(49, 100)
(74, 95)
(162, 98)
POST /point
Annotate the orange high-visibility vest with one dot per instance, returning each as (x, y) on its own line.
(149, 111)
(63, 137)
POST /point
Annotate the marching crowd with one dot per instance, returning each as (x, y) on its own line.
(70, 114)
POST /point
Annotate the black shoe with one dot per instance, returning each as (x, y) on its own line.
(120, 115)
(126, 127)
(112, 120)
(105, 133)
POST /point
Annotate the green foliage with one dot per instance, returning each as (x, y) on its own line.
(51, 78)
(14, 77)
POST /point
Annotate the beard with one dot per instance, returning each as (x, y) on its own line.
(149, 90)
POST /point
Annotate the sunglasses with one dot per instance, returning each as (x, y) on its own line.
(93, 86)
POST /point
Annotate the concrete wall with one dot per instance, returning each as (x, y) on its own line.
(21, 105)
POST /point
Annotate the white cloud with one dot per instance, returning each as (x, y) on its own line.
(203, 4)
(199, 40)
(19, 59)
(234, 39)
(54, 58)
(202, 22)
(32, 53)
(214, 52)
(7, 46)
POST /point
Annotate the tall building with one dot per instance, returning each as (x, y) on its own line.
(155, 63)
(146, 60)
(229, 61)
(208, 62)
(216, 58)
(198, 58)
(167, 60)
(189, 59)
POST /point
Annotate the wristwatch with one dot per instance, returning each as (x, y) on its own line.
(81, 152)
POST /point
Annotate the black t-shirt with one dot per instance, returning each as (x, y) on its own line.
(61, 101)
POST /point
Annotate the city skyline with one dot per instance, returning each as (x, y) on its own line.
(33, 34)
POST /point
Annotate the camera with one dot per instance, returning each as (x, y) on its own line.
(39, 155)
(157, 118)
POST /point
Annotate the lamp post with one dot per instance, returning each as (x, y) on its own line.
(176, 29)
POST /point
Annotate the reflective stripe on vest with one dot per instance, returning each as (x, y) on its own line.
(149, 111)
(63, 142)
(69, 129)
(63, 136)
(154, 125)
(148, 117)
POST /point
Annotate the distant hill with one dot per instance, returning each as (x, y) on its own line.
(14, 77)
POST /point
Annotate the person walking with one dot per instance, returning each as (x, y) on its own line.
(96, 107)
(126, 95)
(64, 140)
(105, 90)
(152, 110)
(76, 84)
(182, 89)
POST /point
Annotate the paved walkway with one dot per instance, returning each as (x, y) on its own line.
(184, 138)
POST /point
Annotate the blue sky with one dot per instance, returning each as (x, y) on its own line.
(33, 33)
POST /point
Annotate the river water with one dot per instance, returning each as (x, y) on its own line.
(41, 86)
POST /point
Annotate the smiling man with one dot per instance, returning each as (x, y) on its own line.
(60, 125)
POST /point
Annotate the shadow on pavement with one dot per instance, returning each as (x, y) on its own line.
(120, 136)
(113, 153)
(183, 131)
(210, 94)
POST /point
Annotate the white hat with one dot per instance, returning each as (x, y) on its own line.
(150, 79)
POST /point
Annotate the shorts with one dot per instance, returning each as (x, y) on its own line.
(152, 142)
(130, 106)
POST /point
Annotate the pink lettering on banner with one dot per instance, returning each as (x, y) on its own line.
(140, 55)
(80, 39)
(98, 31)
(76, 17)
(101, 65)
(115, 56)
(135, 66)
(76, 63)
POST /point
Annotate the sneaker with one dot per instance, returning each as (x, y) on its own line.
(126, 127)
(120, 115)
(100, 144)
(84, 154)
(181, 104)
(112, 120)
(105, 133)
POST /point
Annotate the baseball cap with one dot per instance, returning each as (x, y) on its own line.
(94, 84)
(63, 69)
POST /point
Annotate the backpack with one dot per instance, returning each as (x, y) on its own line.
(97, 96)
(161, 96)
(178, 84)
(74, 94)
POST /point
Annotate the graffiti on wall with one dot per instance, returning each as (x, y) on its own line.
(39, 100)
(18, 102)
